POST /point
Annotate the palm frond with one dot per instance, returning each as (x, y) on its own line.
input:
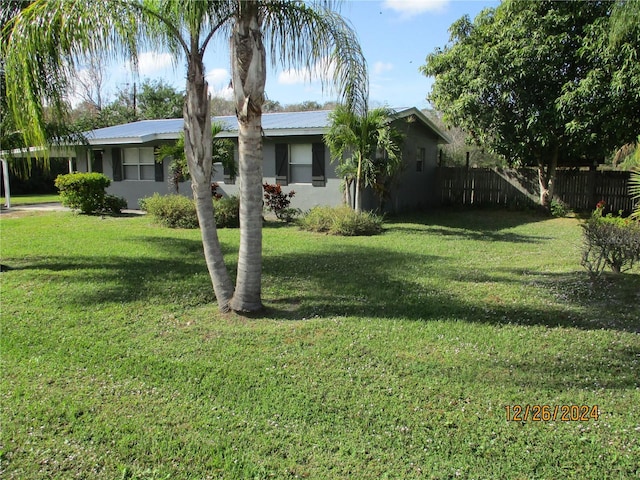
(320, 40)
(48, 40)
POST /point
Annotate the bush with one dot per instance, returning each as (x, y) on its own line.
(610, 241)
(227, 211)
(113, 204)
(559, 208)
(178, 211)
(86, 192)
(278, 202)
(173, 211)
(341, 221)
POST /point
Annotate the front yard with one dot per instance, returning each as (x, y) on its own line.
(394, 356)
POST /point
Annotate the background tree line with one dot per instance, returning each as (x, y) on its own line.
(151, 99)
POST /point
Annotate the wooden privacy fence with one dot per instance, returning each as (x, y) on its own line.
(580, 190)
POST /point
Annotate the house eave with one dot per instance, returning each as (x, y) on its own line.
(134, 140)
(280, 132)
(443, 137)
(294, 132)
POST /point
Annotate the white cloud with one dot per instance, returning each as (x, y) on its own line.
(380, 67)
(293, 77)
(149, 64)
(410, 8)
(319, 71)
(218, 76)
(153, 62)
(219, 83)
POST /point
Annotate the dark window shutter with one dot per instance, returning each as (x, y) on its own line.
(159, 173)
(116, 159)
(96, 162)
(317, 165)
(282, 164)
(227, 177)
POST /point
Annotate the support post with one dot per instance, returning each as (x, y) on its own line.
(5, 179)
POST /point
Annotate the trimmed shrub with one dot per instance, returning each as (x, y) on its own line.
(178, 211)
(227, 212)
(610, 241)
(173, 211)
(114, 204)
(341, 220)
(86, 192)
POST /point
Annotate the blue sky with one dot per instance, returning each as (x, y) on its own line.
(395, 35)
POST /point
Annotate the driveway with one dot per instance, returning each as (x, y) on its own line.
(51, 207)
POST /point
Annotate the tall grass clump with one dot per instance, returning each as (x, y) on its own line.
(341, 220)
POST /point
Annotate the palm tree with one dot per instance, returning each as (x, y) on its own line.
(51, 37)
(298, 35)
(367, 142)
(222, 152)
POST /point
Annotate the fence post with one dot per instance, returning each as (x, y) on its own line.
(591, 199)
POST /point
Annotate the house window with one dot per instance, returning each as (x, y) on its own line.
(300, 160)
(139, 164)
(95, 157)
(300, 163)
(421, 156)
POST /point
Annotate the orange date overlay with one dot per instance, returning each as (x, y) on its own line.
(551, 413)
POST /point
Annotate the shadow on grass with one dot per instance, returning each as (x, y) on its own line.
(365, 282)
(351, 280)
(480, 220)
(368, 282)
(180, 275)
(485, 225)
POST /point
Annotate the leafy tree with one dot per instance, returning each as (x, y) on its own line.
(156, 99)
(298, 34)
(367, 148)
(518, 79)
(624, 37)
(153, 100)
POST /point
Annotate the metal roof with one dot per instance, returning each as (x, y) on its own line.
(274, 124)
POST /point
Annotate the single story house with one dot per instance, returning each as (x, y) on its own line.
(294, 155)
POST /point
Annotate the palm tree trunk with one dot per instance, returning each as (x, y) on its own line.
(197, 146)
(358, 199)
(347, 192)
(249, 77)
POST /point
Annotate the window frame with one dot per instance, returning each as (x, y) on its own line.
(137, 164)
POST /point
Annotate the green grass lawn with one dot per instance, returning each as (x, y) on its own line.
(392, 356)
(31, 199)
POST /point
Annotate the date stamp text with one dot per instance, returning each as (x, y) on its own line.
(551, 413)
